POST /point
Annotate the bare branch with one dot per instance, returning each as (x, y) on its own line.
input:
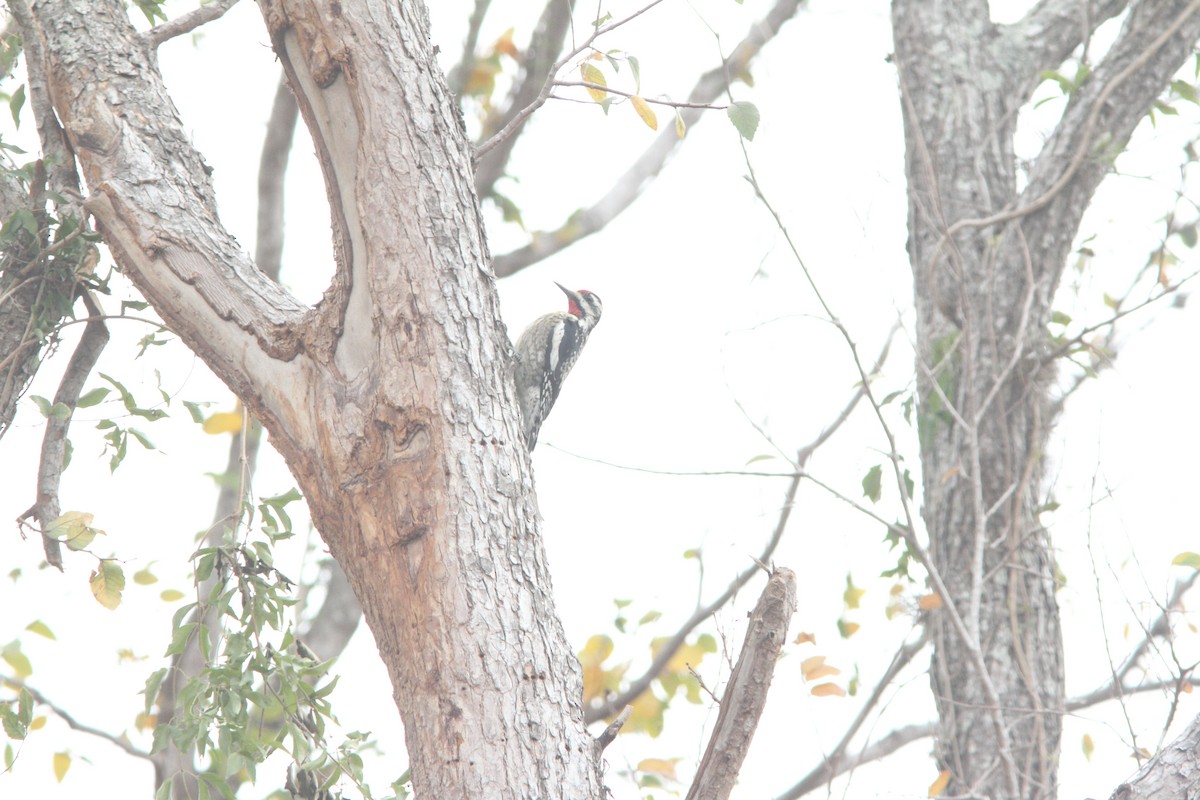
(272, 167)
(608, 734)
(523, 114)
(628, 187)
(73, 723)
(54, 442)
(457, 79)
(1142, 45)
(538, 67)
(970, 640)
(186, 23)
(672, 645)
(836, 762)
(1158, 628)
(622, 93)
(1052, 29)
(746, 693)
(882, 748)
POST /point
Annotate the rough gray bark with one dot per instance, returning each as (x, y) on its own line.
(1174, 774)
(986, 262)
(391, 402)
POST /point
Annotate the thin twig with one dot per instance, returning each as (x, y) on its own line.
(836, 762)
(519, 119)
(972, 645)
(622, 93)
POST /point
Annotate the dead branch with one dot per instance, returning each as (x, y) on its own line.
(746, 693)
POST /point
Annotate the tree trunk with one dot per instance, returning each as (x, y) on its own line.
(986, 262)
(391, 401)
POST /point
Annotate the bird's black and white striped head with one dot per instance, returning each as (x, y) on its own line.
(584, 306)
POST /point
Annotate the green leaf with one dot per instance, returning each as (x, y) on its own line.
(636, 69)
(1185, 90)
(872, 483)
(42, 403)
(13, 728)
(195, 409)
(94, 397)
(509, 210)
(142, 438)
(15, 103)
(153, 684)
(745, 118)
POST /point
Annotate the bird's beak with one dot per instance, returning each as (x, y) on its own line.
(565, 290)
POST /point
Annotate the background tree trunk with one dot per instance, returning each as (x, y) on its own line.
(986, 262)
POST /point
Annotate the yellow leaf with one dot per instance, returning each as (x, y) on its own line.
(847, 628)
(37, 723)
(647, 715)
(680, 125)
(596, 679)
(644, 111)
(504, 45)
(41, 629)
(853, 594)
(805, 636)
(823, 671)
(73, 528)
(171, 595)
(223, 422)
(16, 660)
(659, 766)
(939, 786)
(107, 584)
(930, 601)
(811, 663)
(592, 74)
(144, 577)
(62, 763)
(1089, 746)
(828, 690)
(145, 721)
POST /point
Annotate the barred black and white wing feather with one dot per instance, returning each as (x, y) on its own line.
(546, 351)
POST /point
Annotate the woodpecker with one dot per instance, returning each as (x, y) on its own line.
(545, 354)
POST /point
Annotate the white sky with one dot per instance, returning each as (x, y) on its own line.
(702, 306)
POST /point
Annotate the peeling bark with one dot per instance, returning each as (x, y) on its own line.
(391, 401)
